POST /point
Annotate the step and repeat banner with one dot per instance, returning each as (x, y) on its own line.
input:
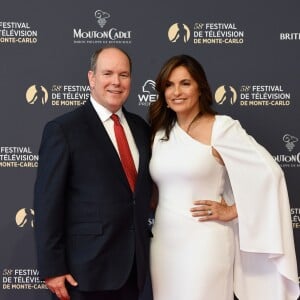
(250, 53)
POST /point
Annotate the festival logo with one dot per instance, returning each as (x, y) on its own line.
(179, 32)
(253, 95)
(226, 94)
(207, 33)
(17, 32)
(18, 157)
(295, 212)
(25, 218)
(264, 95)
(217, 33)
(37, 94)
(22, 279)
(58, 95)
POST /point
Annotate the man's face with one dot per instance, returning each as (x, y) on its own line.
(110, 82)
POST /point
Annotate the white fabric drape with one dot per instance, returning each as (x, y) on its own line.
(265, 260)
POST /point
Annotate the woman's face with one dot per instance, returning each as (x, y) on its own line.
(182, 92)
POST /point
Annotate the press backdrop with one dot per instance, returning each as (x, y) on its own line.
(249, 49)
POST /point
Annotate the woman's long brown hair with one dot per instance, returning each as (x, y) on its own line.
(160, 116)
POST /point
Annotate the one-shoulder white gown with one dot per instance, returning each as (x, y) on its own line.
(190, 260)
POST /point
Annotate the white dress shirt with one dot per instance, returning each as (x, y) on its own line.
(104, 115)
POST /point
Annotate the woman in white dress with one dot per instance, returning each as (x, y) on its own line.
(211, 236)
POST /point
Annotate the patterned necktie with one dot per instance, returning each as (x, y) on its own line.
(124, 151)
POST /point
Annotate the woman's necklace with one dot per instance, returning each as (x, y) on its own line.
(194, 121)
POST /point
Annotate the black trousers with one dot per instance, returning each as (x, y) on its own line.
(129, 291)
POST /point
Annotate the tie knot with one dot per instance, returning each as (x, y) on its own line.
(115, 118)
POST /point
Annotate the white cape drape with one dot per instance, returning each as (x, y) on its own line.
(265, 260)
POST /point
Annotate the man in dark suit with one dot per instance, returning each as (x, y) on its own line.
(90, 221)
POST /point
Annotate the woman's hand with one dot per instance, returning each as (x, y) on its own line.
(206, 210)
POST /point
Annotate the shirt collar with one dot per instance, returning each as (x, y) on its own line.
(103, 113)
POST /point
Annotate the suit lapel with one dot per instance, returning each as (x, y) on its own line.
(102, 140)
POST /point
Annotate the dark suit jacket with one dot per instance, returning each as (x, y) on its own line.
(87, 220)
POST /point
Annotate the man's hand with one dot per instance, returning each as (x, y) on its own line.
(57, 285)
